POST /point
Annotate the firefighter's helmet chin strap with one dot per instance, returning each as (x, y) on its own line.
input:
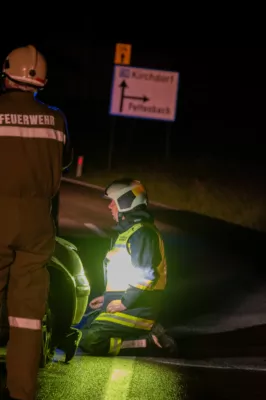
(4, 89)
(121, 216)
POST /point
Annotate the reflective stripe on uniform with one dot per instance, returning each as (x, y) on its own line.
(121, 274)
(32, 133)
(25, 323)
(145, 285)
(115, 346)
(126, 320)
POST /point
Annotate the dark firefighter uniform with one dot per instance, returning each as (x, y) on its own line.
(32, 140)
(135, 273)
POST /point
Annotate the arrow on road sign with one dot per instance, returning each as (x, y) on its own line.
(123, 85)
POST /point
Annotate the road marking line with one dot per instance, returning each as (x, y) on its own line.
(95, 229)
(204, 364)
(118, 384)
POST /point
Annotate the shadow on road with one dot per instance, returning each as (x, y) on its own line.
(233, 238)
(245, 342)
(216, 273)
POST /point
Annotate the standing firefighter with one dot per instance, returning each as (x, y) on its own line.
(135, 275)
(33, 137)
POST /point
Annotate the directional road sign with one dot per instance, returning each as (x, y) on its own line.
(144, 93)
(122, 54)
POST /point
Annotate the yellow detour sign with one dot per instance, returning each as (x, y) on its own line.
(122, 54)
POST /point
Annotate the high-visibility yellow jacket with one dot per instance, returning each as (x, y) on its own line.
(124, 271)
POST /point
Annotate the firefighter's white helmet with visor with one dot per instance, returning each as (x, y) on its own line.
(26, 66)
(127, 194)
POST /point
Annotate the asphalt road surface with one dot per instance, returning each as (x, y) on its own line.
(200, 262)
(85, 211)
(122, 378)
(128, 378)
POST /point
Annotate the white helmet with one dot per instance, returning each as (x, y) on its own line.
(127, 194)
(26, 65)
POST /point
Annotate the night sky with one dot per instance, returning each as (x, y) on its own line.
(220, 102)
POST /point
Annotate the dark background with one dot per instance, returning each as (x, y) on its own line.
(220, 102)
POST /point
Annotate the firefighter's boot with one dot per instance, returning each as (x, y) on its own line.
(70, 343)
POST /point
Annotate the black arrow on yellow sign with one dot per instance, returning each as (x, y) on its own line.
(123, 85)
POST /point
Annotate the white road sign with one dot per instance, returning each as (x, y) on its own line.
(144, 93)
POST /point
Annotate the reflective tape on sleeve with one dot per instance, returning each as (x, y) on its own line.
(25, 323)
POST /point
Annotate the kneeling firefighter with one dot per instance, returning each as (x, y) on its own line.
(135, 273)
